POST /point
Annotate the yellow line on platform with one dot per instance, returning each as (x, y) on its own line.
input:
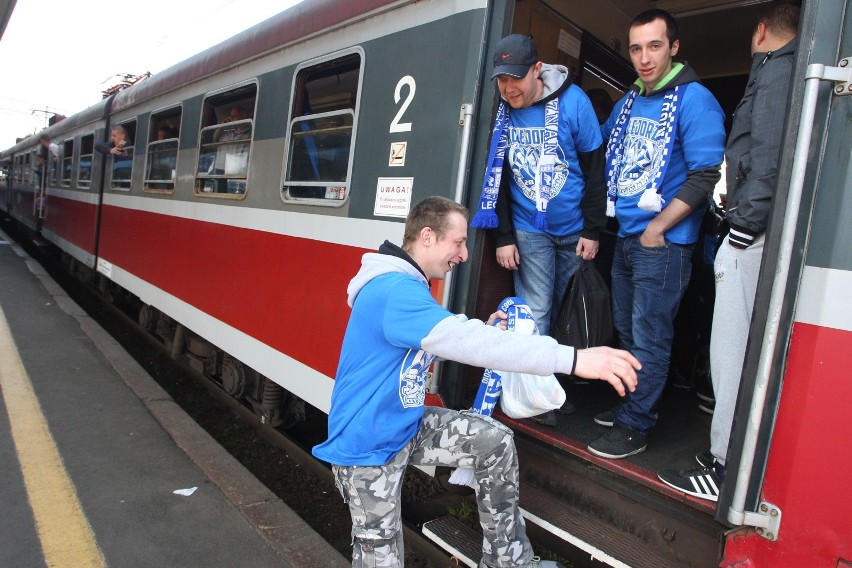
(65, 534)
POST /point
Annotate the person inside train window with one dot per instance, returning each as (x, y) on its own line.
(378, 424)
(753, 156)
(166, 132)
(241, 131)
(550, 200)
(117, 145)
(665, 144)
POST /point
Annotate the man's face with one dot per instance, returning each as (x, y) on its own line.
(447, 251)
(651, 53)
(117, 137)
(521, 93)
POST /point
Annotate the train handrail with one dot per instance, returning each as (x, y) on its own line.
(737, 515)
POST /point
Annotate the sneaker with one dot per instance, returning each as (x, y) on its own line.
(705, 389)
(620, 442)
(547, 419)
(701, 482)
(705, 459)
(536, 562)
(607, 417)
(708, 407)
(566, 408)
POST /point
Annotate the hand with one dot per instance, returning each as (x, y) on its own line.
(508, 257)
(651, 238)
(587, 248)
(498, 315)
(615, 366)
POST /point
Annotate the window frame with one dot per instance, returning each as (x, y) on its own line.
(224, 99)
(132, 133)
(85, 183)
(152, 145)
(284, 192)
(66, 181)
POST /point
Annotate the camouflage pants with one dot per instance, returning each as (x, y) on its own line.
(445, 438)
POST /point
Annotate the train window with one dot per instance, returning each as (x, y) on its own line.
(84, 168)
(321, 130)
(226, 131)
(121, 168)
(28, 168)
(67, 158)
(53, 165)
(161, 166)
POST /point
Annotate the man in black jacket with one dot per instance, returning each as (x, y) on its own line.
(752, 155)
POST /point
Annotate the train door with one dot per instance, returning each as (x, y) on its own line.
(790, 446)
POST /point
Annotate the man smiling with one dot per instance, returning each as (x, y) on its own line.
(378, 423)
(665, 144)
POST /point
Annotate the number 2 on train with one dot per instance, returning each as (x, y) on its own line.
(396, 125)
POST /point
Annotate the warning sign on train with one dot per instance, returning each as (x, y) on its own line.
(393, 197)
(397, 153)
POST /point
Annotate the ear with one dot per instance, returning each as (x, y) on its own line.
(427, 235)
(760, 34)
(675, 47)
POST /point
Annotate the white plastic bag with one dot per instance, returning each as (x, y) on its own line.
(527, 395)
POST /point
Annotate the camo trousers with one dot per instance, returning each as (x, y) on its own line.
(445, 438)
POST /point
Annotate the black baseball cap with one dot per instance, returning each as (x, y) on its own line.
(514, 55)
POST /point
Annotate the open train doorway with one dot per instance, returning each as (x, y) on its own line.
(590, 39)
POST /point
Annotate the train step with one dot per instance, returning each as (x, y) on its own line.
(459, 540)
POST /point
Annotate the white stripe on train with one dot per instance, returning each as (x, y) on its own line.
(824, 298)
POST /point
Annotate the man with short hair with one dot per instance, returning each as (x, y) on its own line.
(665, 143)
(378, 424)
(752, 155)
(551, 202)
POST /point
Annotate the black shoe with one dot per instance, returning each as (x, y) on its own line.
(621, 441)
(566, 408)
(705, 389)
(701, 482)
(607, 417)
(705, 459)
(547, 419)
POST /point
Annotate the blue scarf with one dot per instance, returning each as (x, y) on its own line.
(652, 198)
(519, 318)
(486, 216)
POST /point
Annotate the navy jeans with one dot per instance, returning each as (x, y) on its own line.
(647, 286)
(547, 262)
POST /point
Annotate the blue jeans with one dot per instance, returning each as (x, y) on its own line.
(647, 286)
(547, 262)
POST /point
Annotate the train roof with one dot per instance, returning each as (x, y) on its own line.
(298, 23)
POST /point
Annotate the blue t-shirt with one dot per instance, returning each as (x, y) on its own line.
(380, 388)
(578, 132)
(699, 144)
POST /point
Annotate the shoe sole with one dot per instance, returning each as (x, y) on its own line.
(702, 463)
(707, 409)
(705, 397)
(614, 456)
(604, 422)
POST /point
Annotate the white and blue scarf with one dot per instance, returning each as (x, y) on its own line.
(652, 198)
(486, 215)
(519, 318)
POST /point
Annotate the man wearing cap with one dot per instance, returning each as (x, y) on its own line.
(543, 193)
(665, 144)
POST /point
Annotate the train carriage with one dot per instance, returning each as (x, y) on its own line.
(260, 170)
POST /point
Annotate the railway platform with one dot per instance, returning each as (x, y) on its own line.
(99, 467)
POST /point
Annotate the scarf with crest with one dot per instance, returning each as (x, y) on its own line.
(486, 216)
